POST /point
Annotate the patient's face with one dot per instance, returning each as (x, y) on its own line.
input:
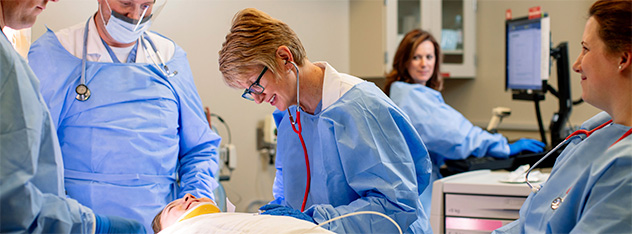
(177, 208)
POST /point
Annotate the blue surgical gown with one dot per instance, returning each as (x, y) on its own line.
(139, 142)
(364, 155)
(446, 132)
(593, 178)
(32, 196)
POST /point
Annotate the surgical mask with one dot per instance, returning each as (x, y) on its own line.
(202, 208)
(124, 29)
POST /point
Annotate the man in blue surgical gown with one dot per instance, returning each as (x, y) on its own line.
(32, 198)
(140, 139)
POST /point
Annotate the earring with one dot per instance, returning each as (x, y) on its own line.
(619, 67)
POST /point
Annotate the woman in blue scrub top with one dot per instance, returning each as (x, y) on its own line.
(590, 187)
(363, 153)
(414, 85)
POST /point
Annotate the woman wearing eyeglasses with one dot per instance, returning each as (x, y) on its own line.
(348, 148)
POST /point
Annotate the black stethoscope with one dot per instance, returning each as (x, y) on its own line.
(82, 90)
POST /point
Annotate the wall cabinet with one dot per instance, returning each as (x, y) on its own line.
(377, 27)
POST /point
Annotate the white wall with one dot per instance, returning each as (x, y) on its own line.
(475, 98)
(199, 26)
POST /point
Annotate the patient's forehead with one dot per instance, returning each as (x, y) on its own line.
(175, 209)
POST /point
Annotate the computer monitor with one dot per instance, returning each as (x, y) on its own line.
(528, 59)
(527, 54)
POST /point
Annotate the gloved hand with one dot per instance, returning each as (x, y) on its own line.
(274, 209)
(115, 224)
(526, 144)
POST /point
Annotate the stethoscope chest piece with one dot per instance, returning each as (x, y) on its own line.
(83, 93)
(556, 203)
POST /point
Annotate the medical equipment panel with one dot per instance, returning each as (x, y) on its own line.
(500, 207)
(267, 138)
(475, 202)
(269, 131)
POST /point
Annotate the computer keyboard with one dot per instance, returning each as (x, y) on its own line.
(487, 162)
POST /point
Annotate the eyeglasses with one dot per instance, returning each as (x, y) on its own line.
(255, 88)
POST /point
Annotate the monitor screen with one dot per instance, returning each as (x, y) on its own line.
(527, 53)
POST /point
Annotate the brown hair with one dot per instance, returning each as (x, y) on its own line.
(252, 42)
(155, 224)
(615, 21)
(404, 55)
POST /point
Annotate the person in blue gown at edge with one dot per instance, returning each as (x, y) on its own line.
(590, 187)
(32, 198)
(363, 153)
(139, 138)
(414, 84)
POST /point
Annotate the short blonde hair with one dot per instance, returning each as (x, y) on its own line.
(252, 42)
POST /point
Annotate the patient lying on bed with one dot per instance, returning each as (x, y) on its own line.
(201, 215)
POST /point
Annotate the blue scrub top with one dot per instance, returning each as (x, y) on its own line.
(593, 179)
(364, 156)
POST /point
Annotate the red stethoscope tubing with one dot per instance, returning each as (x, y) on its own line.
(300, 136)
(588, 133)
(623, 136)
(298, 132)
(536, 188)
